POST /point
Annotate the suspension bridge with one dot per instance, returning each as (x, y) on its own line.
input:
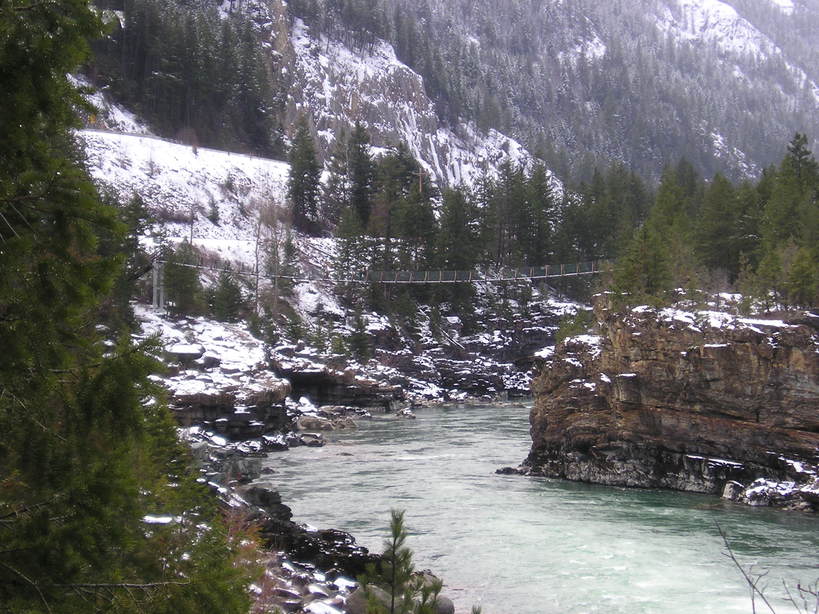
(501, 275)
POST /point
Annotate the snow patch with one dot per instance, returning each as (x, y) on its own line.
(786, 6)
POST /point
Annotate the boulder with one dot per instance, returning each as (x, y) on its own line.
(733, 491)
(357, 601)
(184, 353)
(269, 500)
(312, 440)
(444, 605)
(314, 423)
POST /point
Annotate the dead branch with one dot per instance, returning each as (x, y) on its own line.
(751, 581)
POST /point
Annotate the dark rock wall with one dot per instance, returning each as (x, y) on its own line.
(675, 400)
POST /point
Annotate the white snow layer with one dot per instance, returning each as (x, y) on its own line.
(717, 23)
(187, 189)
(786, 6)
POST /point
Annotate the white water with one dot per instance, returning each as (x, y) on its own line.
(518, 545)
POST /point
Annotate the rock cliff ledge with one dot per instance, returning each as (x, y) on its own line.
(696, 401)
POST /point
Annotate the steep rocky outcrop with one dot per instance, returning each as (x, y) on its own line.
(217, 376)
(696, 401)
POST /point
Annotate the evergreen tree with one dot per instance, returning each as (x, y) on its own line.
(801, 162)
(227, 302)
(358, 342)
(352, 258)
(393, 176)
(417, 229)
(406, 593)
(88, 448)
(457, 242)
(542, 204)
(643, 273)
(718, 227)
(803, 279)
(303, 185)
(335, 196)
(361, 173)
(183, 290)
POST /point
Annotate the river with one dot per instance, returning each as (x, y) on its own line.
(520, 545)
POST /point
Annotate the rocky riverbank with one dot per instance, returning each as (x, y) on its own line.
(699, 401)
(236, 402)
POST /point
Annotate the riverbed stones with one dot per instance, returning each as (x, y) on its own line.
(268, 500)
(357, 601)
(322, 423)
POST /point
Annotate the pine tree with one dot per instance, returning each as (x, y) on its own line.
(335, 195)
(404, 591)
(717, 230)
(803, 279)
(361, 173)
(358, 341)
(352, 258)
(227, 302)
(457, 242)
(303, 185)
(644, 273)
(417, 229)
(542, 204)
(802, 163)
(183, 289)
(85, 451)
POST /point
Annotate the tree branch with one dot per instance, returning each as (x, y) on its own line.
(29, 581)
(36, 5)
(126, 585)
(753, 583)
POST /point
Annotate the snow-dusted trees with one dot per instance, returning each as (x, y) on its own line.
(193, 74)
(182, 286)
(335, 192)
(763, 237)
(303, 184)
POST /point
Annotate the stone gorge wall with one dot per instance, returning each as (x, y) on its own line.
(702, 402)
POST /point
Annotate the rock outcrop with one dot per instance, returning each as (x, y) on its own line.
(696, 401)
(217, 376)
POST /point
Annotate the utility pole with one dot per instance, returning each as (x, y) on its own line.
(421, 174)
(162, 287)
(192, 213)
(155, 285)
(256, 291)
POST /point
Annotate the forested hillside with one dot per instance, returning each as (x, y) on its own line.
(581, 83)
(585, 83)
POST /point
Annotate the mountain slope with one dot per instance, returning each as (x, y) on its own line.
(646, 82)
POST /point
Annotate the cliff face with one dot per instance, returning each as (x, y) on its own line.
(702, 402)
(337, 85)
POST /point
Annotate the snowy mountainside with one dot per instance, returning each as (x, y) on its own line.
(723, 83)
(220, 198)
(714, 22)
(334, 85)
(717, 23)
(214, 196)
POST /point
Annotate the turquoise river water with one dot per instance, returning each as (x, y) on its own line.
(520, 545)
